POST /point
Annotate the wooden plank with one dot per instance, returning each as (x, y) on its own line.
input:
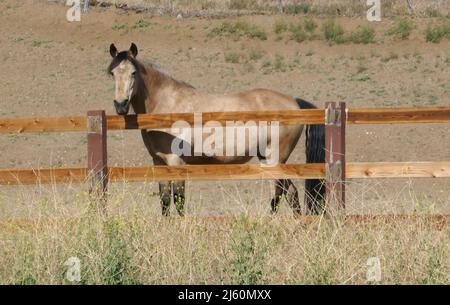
(229, 172)
(166, 120)
(158, 121)
(42, 176)
(288, 117)
(20, 125)
(218, 172)
(398, 115)
(398, 170)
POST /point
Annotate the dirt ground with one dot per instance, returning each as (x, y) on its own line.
(50, 67)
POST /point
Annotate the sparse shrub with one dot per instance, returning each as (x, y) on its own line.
(232, 57)
(309, 25)
(280, 27)
(266, 67)
(402, 29)
(295, 9)
(208, 5)
(361, 69)
(389, 57)
(248, 257)
(118, 27)
(242, 5)
(432, 12)
(117, 265)
(25, 257)
(255, 54)
(140, 24)
(256, 32)
(39, 43)
(333, 32)
(224, 28)
(279, 64)
(249, 67)
(364, 34)
(435, 33)
(297, 33)
(238, 29)
(242, 26)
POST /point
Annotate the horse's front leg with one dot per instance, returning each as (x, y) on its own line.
(178, 196)
(164, 196)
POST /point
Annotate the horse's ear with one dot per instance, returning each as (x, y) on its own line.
(113, 50)
(133, 50)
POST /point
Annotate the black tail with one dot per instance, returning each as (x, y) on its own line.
(315, 153)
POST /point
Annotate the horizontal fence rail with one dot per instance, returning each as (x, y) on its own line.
(228, 172)
(398, 115)
(287, 117)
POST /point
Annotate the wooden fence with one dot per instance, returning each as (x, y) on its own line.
(334, 171)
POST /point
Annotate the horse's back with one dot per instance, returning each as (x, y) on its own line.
(250, 100)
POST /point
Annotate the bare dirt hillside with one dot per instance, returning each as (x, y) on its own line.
(50, 67)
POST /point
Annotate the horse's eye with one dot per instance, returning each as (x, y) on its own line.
(134, 73)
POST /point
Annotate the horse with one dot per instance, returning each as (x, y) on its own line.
(147, 88)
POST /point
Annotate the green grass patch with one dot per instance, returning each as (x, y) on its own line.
(333, 32)
(361, 69)
(433, 12)
(279, 64)
(243, 5)
(232, 57)
(255, 54)
(40, 43)
(249, 256)
(296, 9)
(140, 24)
(402, 29)
(237, 30)
(363, 34)
(297, 33)
(389, 57)
(436, 32)
(280, 27)
(309, 25)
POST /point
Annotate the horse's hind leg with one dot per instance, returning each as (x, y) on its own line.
(178, 196)
(164, 197)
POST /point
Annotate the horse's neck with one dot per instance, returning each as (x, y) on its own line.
(160, 89)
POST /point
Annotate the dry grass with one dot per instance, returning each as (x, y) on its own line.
(137, 245)
(231, 7)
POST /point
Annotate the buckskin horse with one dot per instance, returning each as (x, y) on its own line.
(147, 88)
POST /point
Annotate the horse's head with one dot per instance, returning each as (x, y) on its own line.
(124, 70)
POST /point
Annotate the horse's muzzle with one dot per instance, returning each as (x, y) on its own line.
(123, 107)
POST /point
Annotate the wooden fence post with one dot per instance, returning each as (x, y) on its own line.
(97, 154)
(335, 121)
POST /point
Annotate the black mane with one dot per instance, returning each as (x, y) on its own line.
(124, 55)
